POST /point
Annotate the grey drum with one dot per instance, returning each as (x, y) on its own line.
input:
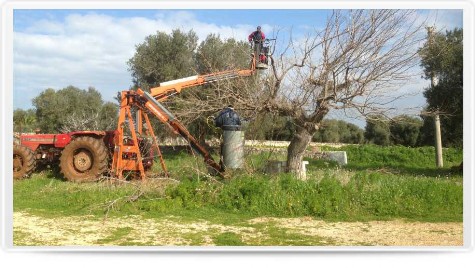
(233, 149)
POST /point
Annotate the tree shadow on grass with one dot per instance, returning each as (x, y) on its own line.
(177, 152)
(51, 171)
(445, 172)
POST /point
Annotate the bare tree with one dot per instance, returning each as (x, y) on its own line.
(81, 121)
(85, 120)
(356, 63)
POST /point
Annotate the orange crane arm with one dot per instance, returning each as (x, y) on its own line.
(169, 88)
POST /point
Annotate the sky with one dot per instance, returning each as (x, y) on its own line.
(55, 48)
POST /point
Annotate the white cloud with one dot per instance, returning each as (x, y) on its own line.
(92, 50)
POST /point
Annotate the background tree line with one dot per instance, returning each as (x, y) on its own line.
(400, 130)
(162, 57)
(65, 110)
(73, 109)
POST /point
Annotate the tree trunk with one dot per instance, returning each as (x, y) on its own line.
(296, 150)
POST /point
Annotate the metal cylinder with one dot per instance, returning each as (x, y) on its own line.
(233, 149)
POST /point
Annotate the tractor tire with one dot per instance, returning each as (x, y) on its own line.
(84, 159)
(24, 162)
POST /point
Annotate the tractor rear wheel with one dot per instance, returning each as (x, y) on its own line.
(24, 161)
(84, 159)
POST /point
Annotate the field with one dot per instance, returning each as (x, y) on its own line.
(384, 196)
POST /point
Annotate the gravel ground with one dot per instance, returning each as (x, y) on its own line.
(31, 230)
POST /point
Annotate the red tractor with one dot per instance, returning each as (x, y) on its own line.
(80, 154)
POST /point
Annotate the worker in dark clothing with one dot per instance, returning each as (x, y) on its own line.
(257, 38)
(228, 119)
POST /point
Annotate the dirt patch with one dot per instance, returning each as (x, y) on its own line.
(87, 231)
(375, 233)
(172, 231)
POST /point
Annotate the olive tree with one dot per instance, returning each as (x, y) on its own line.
(405, 130)
(377, 130)
(162, 57)
(71, 109)
(24, 120)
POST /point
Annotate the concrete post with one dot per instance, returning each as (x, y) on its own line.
(438, 142)
(303, 174)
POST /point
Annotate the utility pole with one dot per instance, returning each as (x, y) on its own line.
(438, 142)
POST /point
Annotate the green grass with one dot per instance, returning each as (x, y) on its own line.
(379, 183)
(22, 236)
(56, 197)
(116, 235)
(228, 239)
(411, 161)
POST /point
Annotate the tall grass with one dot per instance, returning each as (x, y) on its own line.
(365, 196)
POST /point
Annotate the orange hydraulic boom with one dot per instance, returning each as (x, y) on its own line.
(127, 155)
(173, 87)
